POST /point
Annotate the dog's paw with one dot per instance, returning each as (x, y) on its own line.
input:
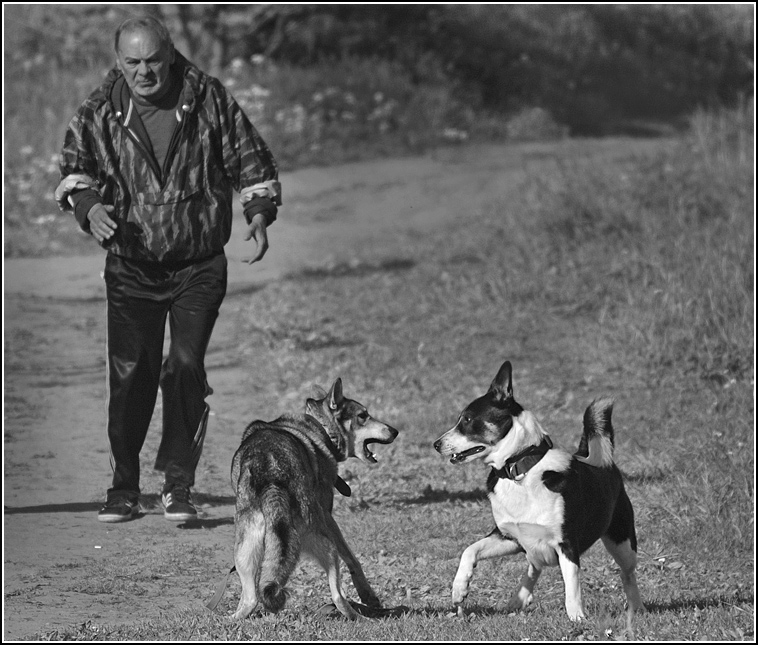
(334, 611)
(518, 602)
(460, 592)
(575, 615)
(370, 600)
(240, 614)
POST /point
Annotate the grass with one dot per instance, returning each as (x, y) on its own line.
(634, 279)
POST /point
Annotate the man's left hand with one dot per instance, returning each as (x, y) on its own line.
(256, 230)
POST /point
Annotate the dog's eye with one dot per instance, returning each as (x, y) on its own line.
(363, 417)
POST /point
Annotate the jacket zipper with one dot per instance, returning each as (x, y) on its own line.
(150, 158)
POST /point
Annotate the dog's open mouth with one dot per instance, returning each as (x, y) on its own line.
(367, 451)
(458, 457)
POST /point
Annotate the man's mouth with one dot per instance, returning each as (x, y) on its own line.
(458, 457)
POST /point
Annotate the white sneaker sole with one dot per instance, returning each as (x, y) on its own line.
(179, 517)
(112, 519)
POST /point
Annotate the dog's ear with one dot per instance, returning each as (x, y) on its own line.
(335, 395)
(502, 386)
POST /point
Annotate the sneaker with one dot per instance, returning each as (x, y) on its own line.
(118, 509)
(177, 501)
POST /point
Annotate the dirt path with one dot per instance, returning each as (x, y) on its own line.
(56, 463)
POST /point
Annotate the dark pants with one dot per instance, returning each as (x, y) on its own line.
(140, 297)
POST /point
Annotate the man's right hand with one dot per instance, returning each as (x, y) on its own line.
(101, 225)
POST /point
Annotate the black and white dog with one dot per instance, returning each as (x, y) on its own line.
(546, 502)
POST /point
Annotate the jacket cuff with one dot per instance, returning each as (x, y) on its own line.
(83, 201)
(263, 205)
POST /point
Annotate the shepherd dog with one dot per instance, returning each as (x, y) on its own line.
(547, 503)
(284, 474)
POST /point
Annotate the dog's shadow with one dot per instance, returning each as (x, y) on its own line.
(201, 523)
(329, 610)
(436, 495)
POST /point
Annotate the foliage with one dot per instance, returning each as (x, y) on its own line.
(336, 83)
(589, 65)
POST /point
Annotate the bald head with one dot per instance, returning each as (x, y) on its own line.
(144, 23)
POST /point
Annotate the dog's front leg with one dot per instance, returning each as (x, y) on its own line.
(332, 565)
(362, 586)
(324, 550)
(570, 571)
(495, 545)
(523, 597)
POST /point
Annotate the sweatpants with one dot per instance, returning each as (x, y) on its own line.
(140, 297)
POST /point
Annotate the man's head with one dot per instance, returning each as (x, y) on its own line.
(144, 54)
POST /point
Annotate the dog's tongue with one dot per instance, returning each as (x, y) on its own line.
(368, 454)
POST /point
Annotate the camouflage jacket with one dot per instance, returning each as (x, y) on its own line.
(183, 211)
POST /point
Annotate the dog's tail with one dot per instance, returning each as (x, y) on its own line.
(282, 548)
(596, 445)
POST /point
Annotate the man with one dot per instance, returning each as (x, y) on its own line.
(148, 166)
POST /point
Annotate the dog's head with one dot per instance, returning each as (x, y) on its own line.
(493, 424)
(349, 425)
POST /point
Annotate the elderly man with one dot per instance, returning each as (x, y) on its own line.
(148, 166)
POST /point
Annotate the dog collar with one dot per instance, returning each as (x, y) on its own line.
(342, 487)
(521, 463)
(340, 484)
(320, 441)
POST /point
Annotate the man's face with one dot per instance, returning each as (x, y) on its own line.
(145, 63)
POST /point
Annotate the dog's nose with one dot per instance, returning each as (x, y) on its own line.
(437, 444)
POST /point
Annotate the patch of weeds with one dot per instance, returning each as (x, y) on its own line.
(354, 268)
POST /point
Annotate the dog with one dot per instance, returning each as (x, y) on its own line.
(284, 474)
(546, 502)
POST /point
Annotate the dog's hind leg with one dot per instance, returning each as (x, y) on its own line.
(626, 558)
(621, 541)
(495, 545)
(362, 586)
(325, 553)
(248, 553)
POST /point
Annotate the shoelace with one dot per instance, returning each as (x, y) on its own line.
(179, 494)
(118, 501)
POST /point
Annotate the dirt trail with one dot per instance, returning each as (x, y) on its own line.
(56, 463)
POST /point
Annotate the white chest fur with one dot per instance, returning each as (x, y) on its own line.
(532, 513)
